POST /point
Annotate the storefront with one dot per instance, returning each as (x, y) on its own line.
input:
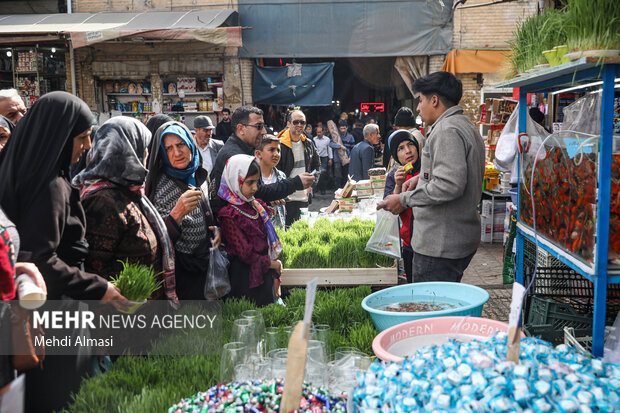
(33, 68)
(138, 64)
(371, 64)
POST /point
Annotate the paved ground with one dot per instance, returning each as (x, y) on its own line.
(485, 270)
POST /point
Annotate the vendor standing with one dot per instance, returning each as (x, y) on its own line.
(446, 193)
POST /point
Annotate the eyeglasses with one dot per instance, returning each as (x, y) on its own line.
(298, 122)
(258, 126)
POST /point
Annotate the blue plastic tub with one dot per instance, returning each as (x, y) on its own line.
(468, 299)
(513, 195)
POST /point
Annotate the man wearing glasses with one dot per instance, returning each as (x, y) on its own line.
(248, 130)
(298, 156)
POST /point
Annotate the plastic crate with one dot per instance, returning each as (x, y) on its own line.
(547, 319)
(582, 343)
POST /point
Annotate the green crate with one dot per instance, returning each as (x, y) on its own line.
(547, 319)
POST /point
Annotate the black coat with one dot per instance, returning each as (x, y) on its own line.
(311, 157)
(267, 193)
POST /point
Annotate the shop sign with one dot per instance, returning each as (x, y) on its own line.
(372, 107)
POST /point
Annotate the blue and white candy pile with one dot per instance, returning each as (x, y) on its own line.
(474, 377)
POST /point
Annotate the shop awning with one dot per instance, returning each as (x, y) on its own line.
(308, 84)
(345, 28)
(217, 26)
(474, 61)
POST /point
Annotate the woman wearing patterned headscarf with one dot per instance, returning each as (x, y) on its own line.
(122, 224)
(251, 240)
(177, 186)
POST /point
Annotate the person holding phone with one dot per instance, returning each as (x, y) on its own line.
(298, 155)
(177, 185)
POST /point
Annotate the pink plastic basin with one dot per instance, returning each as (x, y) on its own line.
(405, 339)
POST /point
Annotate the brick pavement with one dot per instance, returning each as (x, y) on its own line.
(485, 270)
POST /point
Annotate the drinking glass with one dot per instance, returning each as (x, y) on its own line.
(256, 318)
(278, 359)
(262, 370)
(243, 372)
(272, 339)
(244, 330)
(316, 352)
(323, 333)
(233, 354)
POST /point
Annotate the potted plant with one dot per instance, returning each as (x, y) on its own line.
(137, 283)
(592, 28)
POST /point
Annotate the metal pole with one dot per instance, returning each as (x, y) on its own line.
(72, 64)
(603, 210)
(71, 56)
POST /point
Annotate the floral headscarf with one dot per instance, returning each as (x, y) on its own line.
(234, 175)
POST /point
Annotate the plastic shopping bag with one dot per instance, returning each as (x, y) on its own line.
(506, 151)
(385, 239)
(217, 284)
(611, 350)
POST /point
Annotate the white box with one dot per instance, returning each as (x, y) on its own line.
(494, 231)
(487, 204)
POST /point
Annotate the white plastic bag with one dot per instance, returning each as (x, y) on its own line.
(507, 149)
(611, 351)
(385, 239)
(217, 284)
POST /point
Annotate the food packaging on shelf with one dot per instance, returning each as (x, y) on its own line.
(187, 84)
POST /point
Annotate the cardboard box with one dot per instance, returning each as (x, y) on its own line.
(365, 193)
(348, 188)
(499, 209)
(377, 172)
(495, 230)
(363, 185)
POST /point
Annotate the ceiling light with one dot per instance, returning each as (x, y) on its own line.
(9, 53)
(53, 50)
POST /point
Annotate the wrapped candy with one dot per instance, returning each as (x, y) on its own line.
(474, 377)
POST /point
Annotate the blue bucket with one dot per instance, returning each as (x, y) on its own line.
(468, 299)
(513, 195)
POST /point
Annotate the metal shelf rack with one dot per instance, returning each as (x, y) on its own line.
(555, 78)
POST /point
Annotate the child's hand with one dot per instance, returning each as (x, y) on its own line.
(400, 176)
(277, 291)
(277, 266)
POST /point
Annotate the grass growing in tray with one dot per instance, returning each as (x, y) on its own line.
(136, 282)
(154, 383)
(534, 35)
(592, 24)
(337, 244)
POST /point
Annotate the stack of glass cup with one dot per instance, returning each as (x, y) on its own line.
(259, 353)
